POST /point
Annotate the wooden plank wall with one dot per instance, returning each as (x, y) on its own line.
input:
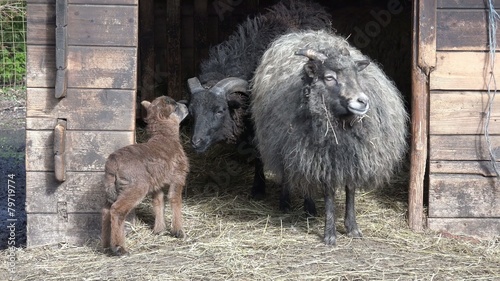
(99, 109)
(463, 190)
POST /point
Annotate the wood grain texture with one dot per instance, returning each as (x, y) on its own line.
(462, 147)
(83, 192)
(461, 4)
(461, 112)
(96, 25)
(40, 23)
(484, 228)
(461, 71)
(85, 150)
(462, 30)
(84, 109)
(482, 168)
(463, 196)
(88, 67)
(46, 229)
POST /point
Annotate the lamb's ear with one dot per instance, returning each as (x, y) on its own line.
(362, 64)
(145, 104)
(311, 69)
(144, 111)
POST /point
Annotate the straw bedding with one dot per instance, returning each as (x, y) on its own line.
(231, 237)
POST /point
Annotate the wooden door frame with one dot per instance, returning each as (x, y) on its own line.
(423, 62)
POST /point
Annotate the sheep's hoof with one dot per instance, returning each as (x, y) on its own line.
(330, 240)
(355, 233)
(178, 233)
(258, 195)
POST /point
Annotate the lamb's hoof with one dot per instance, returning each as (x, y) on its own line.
(330, 240)
(355, 233)
(178, 234)
(158, 230)
(119, 251)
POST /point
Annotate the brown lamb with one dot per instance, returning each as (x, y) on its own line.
(134, 171)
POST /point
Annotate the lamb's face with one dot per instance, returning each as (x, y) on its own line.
(335, 80)
(163, 108)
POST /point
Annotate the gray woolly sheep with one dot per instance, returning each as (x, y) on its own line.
(219, 97)
(326, 118)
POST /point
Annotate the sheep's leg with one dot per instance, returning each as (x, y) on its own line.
(309, 206)
(106, 226)
(330, 236)
(259, 181)
(175, 199)
(285, 204)
(350, 214)
(159, 211)
(127, 201)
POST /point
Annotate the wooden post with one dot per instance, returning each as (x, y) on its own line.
(423, 61)
(146, 51)
(174, 84)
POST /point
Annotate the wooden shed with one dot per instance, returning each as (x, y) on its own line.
(90, 62)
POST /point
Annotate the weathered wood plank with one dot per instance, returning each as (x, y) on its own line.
(89, 67)
(104, 2)
(77, 229)
(462, 148)
(461, 113)
(461, 71)
(426, 49)
(175, 85)
(483, 228)
(97, 25)
(102, 67)
(483, 168)
(40, 21)
(81, 192)
(42, 66)
(85, 150)
(462, 4)
(463, 196)
(462, 30)
(84, 109)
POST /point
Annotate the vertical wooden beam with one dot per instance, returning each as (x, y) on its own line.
(174, 83)
(200, 18)
(423, 61)
(146, 51)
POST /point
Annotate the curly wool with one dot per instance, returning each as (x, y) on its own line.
(362, 152)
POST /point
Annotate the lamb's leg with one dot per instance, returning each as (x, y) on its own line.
(350, 214)
(127, 201)
(105, 226)
(285, 204)
(259, 181)
(175, 199)
(330, 230)
(159, 211)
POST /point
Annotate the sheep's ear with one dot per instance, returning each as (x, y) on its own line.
(311, 69)
(145, 104)
(362, 64)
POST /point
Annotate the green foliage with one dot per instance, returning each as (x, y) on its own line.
(12, 42)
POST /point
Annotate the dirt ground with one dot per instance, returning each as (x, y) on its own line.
(231, 237)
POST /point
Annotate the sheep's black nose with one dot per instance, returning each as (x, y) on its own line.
(196, 142)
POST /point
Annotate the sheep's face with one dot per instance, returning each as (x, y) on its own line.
(335, 81)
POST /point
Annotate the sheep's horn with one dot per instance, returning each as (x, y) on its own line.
(312, 54)
(194, 85)
(229, 85)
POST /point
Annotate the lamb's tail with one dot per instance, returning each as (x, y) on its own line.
(110, 183)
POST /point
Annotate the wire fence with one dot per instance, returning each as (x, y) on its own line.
(12, 46)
